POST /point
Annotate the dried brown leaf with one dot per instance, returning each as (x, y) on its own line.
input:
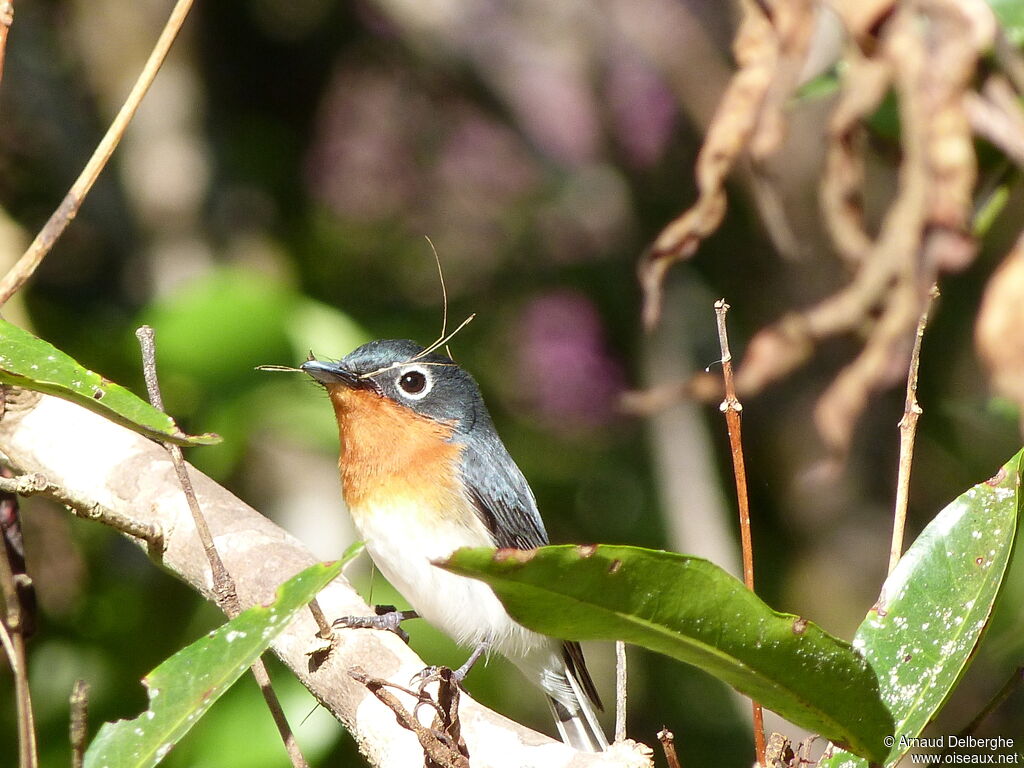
(756, 52)
(997, 334)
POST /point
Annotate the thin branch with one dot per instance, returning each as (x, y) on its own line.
(668, 746)
(325, 632)
(227, 597)
(68, 209)
(36, 484)
(78, 729)
(620, 691)
(13, 642)
(223, 585)
(908, 433)
(437, 751)
(732, 407)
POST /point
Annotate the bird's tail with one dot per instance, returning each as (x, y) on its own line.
(574, 707)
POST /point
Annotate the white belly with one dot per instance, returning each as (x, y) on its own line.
(403, 542)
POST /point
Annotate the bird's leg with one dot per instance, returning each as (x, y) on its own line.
(429, 675)
(387, 618)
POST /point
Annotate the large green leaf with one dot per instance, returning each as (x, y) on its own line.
(184, 687)
(31, 363)
(921, 634)
(692, 610)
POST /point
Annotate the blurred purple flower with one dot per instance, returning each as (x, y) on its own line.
(643, 110)
(567, 376)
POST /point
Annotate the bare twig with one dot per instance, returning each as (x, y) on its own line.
(908, 433)
(620, 691)
(223, 585)
(732, 407)
(321, 621)
(447, 720)
(68, 209)
(6, 20)
(436, 750)
(13, 641)
(668, 746)
(37, 484)
(79, 726)
(227, 597)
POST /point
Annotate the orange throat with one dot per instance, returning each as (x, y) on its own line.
(389, 452)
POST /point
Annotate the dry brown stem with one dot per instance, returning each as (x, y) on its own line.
(908, 433)
(732, 408)
(12, 638)
(440, 753)
(223, 585)
(35, 483)
(68, 209)
(668, 746)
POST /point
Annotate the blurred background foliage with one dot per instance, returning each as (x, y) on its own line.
(272, 197)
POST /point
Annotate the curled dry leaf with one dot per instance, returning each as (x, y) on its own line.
(756, 52)
(926, 54)
(997, 333)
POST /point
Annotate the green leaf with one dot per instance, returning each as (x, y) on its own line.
(934, 607)
(31, 363)
(692, 610)
(184, 687)
(1010, 14)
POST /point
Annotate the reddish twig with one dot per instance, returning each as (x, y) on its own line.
(436, 751)
(908, 433)
(223, 585)
(68, 209)
(13, 640)
(732, 408)
(668, 746)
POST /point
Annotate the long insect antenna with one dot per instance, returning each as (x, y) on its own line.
(444, 296)
(443, 341)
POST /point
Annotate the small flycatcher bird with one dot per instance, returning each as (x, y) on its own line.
(423, 472)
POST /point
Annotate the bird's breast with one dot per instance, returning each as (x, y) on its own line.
(394, 458)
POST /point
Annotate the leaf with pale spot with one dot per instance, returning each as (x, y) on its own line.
(935, 606)
(186, 685)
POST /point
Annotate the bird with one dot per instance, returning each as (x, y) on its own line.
(423, 473)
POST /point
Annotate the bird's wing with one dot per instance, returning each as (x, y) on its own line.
(501, 496)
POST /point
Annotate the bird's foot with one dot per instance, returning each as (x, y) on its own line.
(387, 618)
(429, 675)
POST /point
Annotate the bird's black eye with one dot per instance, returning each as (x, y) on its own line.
(414, 383)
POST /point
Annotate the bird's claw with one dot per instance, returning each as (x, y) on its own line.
(388, 619)
(433, 674)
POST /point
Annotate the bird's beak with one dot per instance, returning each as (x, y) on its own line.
(334, 373)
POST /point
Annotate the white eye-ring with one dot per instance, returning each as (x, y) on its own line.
(415, 383)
